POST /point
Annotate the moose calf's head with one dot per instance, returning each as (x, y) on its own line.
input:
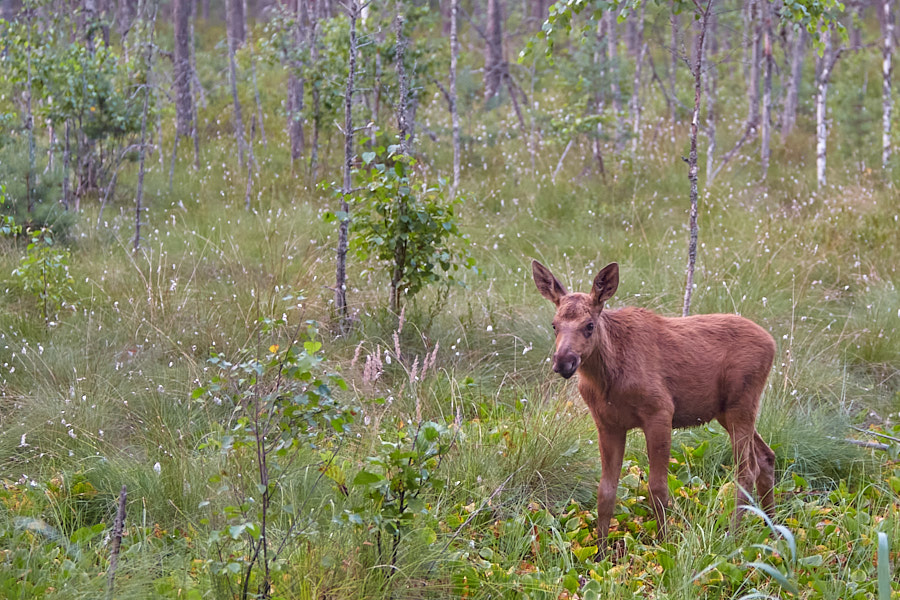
(577, 319)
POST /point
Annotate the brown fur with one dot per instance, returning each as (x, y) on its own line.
(637, 369)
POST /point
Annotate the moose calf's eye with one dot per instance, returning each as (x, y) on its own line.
(589, 328)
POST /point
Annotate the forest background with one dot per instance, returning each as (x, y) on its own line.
(268, 326)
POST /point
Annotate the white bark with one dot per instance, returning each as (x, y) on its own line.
(636, 88)
(454, 110)
(789, 113)
(234, 16)
(755, 60)
(886, 72)
(768, 66)
(692, 159)
(612, 43)
(340, 287)
(710, 87)
(143, 149)
(821, 110)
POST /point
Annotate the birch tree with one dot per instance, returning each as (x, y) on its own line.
(635, 104)
(792, 93)
(612, 43)
(827, 62)
(340, 286)
(233, 14)
(887, 103)
(454, 109)
(493, 50)
(697, 72)
(142, 151)
(296, 85)
(768, 66)
(182, 76)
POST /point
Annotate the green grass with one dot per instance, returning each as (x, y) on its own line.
(104, 398)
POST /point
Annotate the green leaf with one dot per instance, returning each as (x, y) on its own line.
(367, 478)
(884, 567)
(785, 583)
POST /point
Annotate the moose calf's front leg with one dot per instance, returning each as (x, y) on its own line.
(612, 451)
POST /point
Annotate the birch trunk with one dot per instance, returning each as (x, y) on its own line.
(673, 67)
(142, 152)
(768, 65)
(636, 87)
(710, 87)
(236, 21)
(753, 76)
(295, 89)
(181, 76)
(233, 14)
(29, 119)
(454, 111)
(791, 96)
(821, 110)
(692, 158)
(887, 104)
(403, 92)
(612, 43)
(65, 181)
(340, 287)
(259, 110)
(316, 104)
(195, 117)
(493, 50)
(599, 60)
(405, 144)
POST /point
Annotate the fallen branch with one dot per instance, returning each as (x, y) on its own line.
(864, 444)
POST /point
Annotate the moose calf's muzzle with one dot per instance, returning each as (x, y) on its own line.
(565, 364)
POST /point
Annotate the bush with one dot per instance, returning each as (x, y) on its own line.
(407, 225)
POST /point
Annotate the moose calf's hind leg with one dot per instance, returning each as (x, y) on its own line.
(765, 481)
(659, 444)
(740, 428)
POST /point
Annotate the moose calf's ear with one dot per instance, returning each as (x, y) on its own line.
(548, 285)
(606, 283)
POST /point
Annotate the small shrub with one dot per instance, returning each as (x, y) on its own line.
(407, 225)
(396, 481)
(44, 272)
(282, 405)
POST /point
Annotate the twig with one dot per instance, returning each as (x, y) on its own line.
(562, 157)
(876, 433)
(864, 444)
(116, 542)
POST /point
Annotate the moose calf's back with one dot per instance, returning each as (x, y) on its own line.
(700, 362)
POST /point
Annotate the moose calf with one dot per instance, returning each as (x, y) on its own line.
(638, 369)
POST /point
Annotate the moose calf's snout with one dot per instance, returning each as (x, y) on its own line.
(565, 364)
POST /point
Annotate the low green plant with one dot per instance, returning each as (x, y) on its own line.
(282, 404)
(408, 225)
(396, 481)
(8, 225)
(44, 272)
